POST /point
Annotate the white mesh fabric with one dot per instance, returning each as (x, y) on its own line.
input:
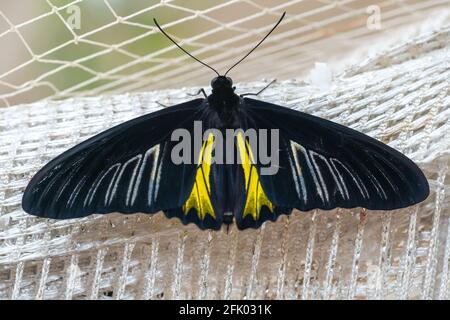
(399, 95)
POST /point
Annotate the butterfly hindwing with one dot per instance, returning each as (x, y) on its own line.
(252, 204)
(326, 165)
(204, 205)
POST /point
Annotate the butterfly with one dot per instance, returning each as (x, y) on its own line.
(130, 167)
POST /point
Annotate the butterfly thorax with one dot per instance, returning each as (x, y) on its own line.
(224, 101)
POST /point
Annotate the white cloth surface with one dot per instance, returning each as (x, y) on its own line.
(399, 96)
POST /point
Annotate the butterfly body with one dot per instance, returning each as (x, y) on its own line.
(224, 103)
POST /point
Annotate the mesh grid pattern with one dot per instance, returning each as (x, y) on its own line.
(395, 91)
(337, 254)
(117, 49)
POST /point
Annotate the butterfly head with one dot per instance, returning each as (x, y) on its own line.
(221, 82)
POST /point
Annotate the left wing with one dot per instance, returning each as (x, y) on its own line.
(129, 168)
(124, 169)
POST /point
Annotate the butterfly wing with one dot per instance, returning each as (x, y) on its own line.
(324, 165)
(205, 202)
(125, 169)
(253, 204)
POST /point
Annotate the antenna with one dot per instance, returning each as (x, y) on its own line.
(259, 43)
(182, 49)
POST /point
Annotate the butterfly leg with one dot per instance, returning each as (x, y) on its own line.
(260, 91)
(198, 92)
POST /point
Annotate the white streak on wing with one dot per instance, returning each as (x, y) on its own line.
(75, 192)
(158, 176)
(94, 187)
(58, 195)
(322, 182)
(335, 178)
(380, 168)
(378, 186)
(132, 179)
(141, 171)
(340, 178)
(71, 174)
(313, 174)
(152, 181)
(298, 174)
(362, 188)
(108, 191)
(116, 183)
(295, 168)
(53, 179)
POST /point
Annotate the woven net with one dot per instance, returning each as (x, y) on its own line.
(390, 83)
(65, 48)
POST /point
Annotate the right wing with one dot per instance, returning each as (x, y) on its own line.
(324, 165)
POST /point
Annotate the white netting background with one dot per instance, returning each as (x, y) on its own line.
(62, 48)
(398, 95)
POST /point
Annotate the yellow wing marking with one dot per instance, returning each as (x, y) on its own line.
(200, 194)
(256, 197)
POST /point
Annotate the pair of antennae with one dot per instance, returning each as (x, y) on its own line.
(234, 65)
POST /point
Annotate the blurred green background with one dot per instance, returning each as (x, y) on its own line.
(115, 48)
(44, 57)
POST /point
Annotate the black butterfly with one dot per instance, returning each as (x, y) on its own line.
(128, 168)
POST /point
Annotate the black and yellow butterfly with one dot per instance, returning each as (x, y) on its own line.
(129, 169)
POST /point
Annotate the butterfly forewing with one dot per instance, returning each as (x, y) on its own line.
(325, 165)
(125, 169)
